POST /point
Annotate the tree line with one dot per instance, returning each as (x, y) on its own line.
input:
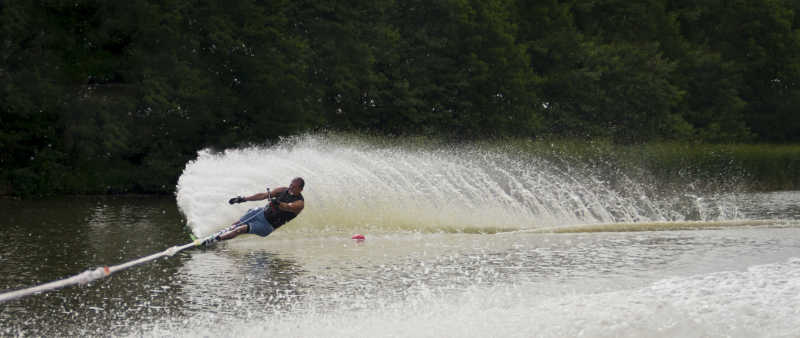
(116, 96)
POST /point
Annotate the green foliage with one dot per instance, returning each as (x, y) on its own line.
(759, 167)
(619, 91)
(116, 96)
(758, 47)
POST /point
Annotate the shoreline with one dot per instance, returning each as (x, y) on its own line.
(668, 165)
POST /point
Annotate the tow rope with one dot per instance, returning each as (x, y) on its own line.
(95, 274)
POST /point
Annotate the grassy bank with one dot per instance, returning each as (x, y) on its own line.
(750, 167)
(667, 165)
(759, 167)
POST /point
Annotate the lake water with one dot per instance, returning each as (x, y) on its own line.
(454, 247)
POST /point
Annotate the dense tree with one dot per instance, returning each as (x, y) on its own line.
(346, 39)
(99, 96)
(599, 80)
(751, 49)
(461, 71)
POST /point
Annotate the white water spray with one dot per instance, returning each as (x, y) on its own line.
(354, 184)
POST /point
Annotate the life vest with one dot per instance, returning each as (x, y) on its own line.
(277, 217)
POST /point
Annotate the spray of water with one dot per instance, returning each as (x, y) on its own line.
(388, 185)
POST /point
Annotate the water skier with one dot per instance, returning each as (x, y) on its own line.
(284, 205)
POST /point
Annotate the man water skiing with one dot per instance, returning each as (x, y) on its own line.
(284, 205)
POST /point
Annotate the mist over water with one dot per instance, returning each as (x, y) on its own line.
(379, 184)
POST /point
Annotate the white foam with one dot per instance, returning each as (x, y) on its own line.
(762, 301)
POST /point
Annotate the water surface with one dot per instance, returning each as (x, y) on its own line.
(459, 242)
